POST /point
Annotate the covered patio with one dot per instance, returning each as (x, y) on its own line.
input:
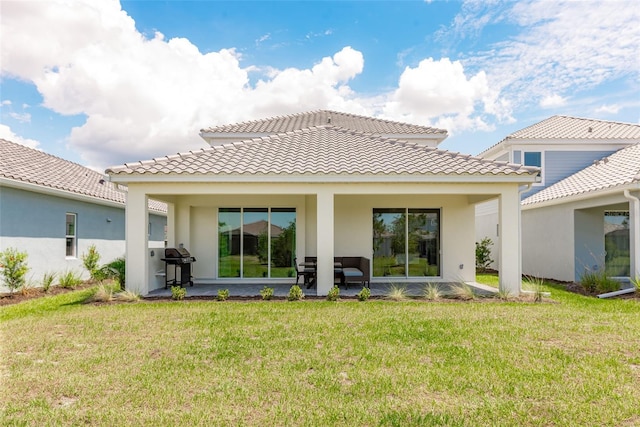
(343, 186)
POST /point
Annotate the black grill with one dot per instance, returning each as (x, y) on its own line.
(179, 258)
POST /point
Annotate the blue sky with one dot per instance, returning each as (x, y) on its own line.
(103, 82)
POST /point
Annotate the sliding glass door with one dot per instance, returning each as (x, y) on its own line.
(256, 242)
(406, 242)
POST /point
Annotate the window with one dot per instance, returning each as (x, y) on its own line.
(71, 235)
(617, 247)
(406, 242)
(256, 242)
(534, 158)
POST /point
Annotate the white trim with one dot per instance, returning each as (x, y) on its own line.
(540, 183)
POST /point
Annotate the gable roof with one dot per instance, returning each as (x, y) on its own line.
(293, 122)
(619, 169)
(321, 151)
(21, 164)
(573, 130)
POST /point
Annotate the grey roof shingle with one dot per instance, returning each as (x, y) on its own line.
(322, 150)
(619, 169)
(292, 122)
(28, 165)
(574, 129)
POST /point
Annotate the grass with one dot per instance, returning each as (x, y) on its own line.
(383, 363)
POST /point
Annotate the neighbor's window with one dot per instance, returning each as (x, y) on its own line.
(71, 235)
(533, 158)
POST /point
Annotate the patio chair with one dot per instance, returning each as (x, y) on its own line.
(306, 273)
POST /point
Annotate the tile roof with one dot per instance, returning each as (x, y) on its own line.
(24, 164)
(309, 119)
(575, 129)
(618, 169)
(322, 150)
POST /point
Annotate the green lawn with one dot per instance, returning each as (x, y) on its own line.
(574, 361)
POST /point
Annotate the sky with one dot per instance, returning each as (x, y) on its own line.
(104, 82)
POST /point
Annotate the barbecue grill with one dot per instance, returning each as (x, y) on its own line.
(179, 258)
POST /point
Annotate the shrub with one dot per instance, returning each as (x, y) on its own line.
(463, 291)
(28, 289)
(70, 279)
(364, 294)
(103, 293)
(116, 270)
(14, 268)
(333, 294)
(432, 292)
(536, 284)
(397, 293)
(129, 296)
(47, 280)
(636, 284)
(223, 294)
(90, 261)
(483, 254)
(598, 282)
(266, 293)
(178, 293)
(295, 293)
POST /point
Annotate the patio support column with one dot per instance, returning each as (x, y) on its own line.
(137, 220)
(325, 224)
(510, 249)
(634, 234)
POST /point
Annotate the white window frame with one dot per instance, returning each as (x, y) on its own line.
(73, 236)
(522, 155)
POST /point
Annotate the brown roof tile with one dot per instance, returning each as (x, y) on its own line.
(322, 150)
(620, 168)
(24, 164)
(293, 122)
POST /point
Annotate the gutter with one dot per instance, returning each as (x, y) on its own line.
(634, 232)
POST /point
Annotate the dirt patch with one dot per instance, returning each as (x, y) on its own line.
(32, 293)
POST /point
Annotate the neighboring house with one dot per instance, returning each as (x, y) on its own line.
(54, 209)
(336, 184)
(578, 218)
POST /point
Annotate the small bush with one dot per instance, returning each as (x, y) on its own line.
(266, 293)
(28, 290)
(504, 295)
(90, 261)
(598, 282)
(223, 294)
(636, 284)
(14, 268)
(397, 293)
(333, 294)
(364, 294)
(70, 279)
(103, 293)
(483, 254)
(178, 293)
(295, 293)
(47, 281)
(130, 296)
(463, 291)
(432, 292)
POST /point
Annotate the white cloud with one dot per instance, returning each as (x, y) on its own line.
(552, 101)
(560, 47)
(7, 134)
(439, 93)
(6, 102)
(22, 118)
(609, 109)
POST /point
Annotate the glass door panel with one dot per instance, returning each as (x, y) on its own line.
(616, 244)
(255, 242)
(389, 239)
(229, 229)
(283, 242)
(423, 243)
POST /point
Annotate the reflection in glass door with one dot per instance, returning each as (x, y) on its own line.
(406, 242)
(256, 242)
(616, 244)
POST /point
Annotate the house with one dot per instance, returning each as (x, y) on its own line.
(582, 215)
(337, 184)
(54, 209)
